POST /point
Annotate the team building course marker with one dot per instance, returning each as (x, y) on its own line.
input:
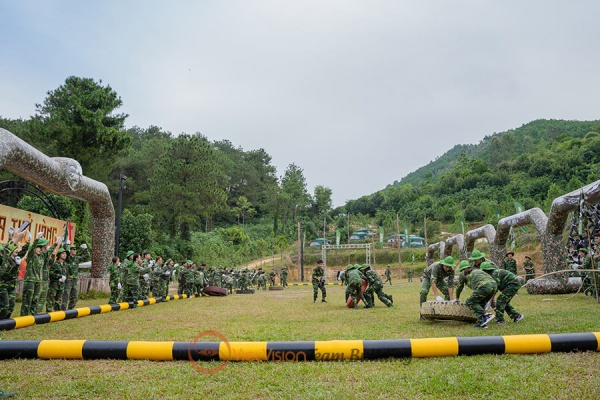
(28, 320)
(335, 350)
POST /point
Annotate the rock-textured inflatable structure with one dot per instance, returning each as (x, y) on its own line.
(64, 176)
(549, 229)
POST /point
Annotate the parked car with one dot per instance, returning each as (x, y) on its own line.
(318, 242)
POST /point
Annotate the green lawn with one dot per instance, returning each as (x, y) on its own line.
(290, 315)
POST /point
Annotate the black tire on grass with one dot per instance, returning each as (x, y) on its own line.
(447, 310)
(245, 291)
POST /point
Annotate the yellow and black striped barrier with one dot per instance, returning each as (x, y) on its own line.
(28, 320)
(334, 350)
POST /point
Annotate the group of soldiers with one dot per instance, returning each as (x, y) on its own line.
(51, 274)
(485, 280)
(590, 260)
(140, 276)
(353, 277)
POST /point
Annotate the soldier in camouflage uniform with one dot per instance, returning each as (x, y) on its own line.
(165, 277)
(484, 287)
(145, 271)
(439, 275)
(155, 277)
(508, 286)
(409, 274)
(46, 276)
(354, 288)
(9, 272)
(375, 286)
(318, 282)
(388, 275)
(58, 276)
(272, 276)
(261, 280)
(181, 278)
(509, 263)
(283, 277)
(37, 258)
(124, 272)
(70, 295)
(528, 269)
(114, 279)
(134, 269)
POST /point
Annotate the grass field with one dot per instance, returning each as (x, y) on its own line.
(290, 315)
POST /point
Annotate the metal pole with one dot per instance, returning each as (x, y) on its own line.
(301, 251)
(118, 227)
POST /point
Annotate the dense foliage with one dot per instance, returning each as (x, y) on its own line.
(185, 196)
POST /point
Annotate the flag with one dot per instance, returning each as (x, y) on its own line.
(338, 236)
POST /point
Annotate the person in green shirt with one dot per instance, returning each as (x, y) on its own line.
(484, 287)
(114, 279)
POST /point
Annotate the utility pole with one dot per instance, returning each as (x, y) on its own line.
(301, 228)
(398, 242)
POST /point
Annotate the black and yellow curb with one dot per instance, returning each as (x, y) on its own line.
(334, 350)
(28, 320)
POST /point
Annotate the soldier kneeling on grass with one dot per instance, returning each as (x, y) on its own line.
(484, 287)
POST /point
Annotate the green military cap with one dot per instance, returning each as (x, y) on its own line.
(363, 267)
(476, 255)
(61, 250)
(463, 265)
(190, 262)
(356, 266)
(349, 267)
(486, 266)
(42, 242)
(129, 253)
(510, 252)
(448, 261)
(585, 250)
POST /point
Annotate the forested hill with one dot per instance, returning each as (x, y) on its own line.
(530, 137)
(528, 166)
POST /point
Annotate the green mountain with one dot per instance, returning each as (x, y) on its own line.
(531, 165)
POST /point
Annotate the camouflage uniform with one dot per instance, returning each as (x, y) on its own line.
(56, 286)
(529, 270)
(9, 272)
(589, 286)
(41, 305)
(510, 264)
(33, 277)
(144, 280)
(318, 280)
(388, 275)
(375, 286)
(283, 277)
(508, 286)
(70, 295)
(114, 280)
(272, 276)
(483, 286)
(355, 278)
(181, 275)
(409, 274)
(435, 274)
(133, 283)
(262, 281)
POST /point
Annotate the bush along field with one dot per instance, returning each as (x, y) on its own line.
(291, 315)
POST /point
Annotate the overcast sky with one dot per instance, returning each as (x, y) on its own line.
(356, 93)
